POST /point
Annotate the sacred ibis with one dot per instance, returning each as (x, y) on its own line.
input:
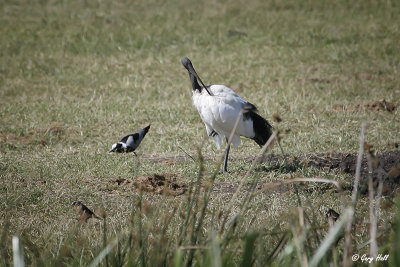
(219, 108)
(130, 142)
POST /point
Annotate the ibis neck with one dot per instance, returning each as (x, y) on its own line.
(195, 83)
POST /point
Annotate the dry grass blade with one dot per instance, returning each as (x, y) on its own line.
(18, 255)
(372, 211)
(178, 258)
(354, 196)
(187, 154)
(3, 238)
(192, 247)
(378, 200)
(215, 252)
(281, 244)
(104, 253)
(331, 237)
(235, 195)
(299, 238)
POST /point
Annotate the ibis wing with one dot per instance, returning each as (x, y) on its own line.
(220, 113)
(228, 104)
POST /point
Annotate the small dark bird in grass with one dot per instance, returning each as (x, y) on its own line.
(130, 142)
(332, 217)
(276, 117)
(84, 212)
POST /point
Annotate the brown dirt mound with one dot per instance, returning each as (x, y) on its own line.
(158, 184)
(385, 165)
(373, 106)
(344, 162)
(380, 105)
(347, 162)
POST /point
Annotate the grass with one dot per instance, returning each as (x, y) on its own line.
(75, 76)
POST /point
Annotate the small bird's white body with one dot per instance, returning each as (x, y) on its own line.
(219, 113)
(130, 142)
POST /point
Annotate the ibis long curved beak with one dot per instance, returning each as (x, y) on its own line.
(188, 65)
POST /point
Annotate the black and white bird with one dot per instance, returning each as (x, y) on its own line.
(219, 108)
(130, 142)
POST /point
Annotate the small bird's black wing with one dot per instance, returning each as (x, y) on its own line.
(132, 141)
(125, 138)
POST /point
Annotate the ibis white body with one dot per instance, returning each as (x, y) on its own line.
(220, 112)
(219, 108)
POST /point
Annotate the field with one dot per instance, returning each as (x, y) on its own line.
(76, 76)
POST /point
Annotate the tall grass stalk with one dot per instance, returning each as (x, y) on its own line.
(243, 180)
(331, 237)
(372, 210)
(18, 255)
(354, 197)
(103, 254)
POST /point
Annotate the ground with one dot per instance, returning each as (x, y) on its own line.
(76, 76)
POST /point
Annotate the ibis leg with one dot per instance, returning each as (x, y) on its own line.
(226, 157)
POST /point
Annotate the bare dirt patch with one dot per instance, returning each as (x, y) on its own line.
(43, 136)
(344, 162)
(320, 80)
(385, 166)
(380, 105)
(373, 106)
(159, 184)
(225, 187)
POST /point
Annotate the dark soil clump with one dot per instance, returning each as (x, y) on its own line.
(385, 165)
(373, 106)
(344, 162)
(158, 184)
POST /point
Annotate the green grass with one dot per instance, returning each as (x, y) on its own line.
(75, 76)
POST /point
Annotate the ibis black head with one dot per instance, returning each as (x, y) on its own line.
(186, 62)
(193, 75)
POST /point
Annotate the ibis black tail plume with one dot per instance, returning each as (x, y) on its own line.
(262, 128)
